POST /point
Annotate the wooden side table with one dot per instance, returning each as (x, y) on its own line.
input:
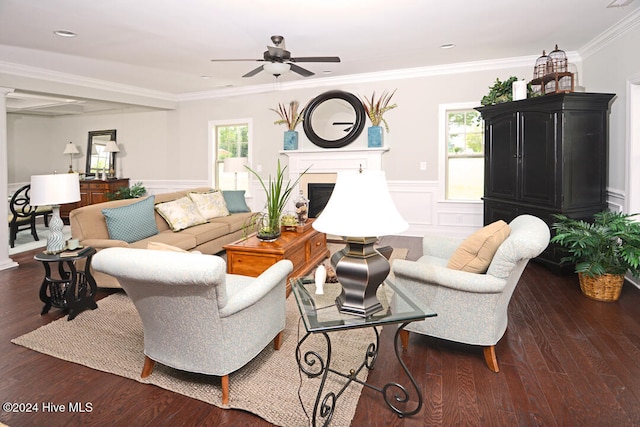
(251, 256)
(70, 289)
(93, 191)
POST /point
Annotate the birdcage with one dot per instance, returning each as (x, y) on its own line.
(551, 75)
(557, 61)
(540, 69)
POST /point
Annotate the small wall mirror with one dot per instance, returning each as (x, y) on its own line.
(334, 119)
(98, 159)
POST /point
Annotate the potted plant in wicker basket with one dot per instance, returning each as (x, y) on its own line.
(603, 251)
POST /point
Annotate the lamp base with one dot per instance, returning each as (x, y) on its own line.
(55, 241)
(360, 270)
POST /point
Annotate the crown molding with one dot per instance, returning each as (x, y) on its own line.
(400, 74)
(87, 82)
(623, 26)
(406, 73)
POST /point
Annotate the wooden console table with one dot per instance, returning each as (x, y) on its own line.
(251, 256)
(93, 191)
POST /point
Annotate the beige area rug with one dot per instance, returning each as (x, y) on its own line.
(110, 339)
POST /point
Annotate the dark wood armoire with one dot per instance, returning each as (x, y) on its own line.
(546, 155)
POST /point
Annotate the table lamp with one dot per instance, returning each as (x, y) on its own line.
(235, 165)
(55, 190)
(70, 149)
(112, 147)
(360, 209)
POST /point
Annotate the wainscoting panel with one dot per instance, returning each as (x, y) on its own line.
(418, 202)
(166, 186)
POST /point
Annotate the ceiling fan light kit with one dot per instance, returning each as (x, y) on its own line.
(278, 60)
(276, 68)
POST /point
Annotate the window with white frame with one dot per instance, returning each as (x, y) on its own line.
(230, 140)
(464, 164)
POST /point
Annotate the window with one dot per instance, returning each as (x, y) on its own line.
(231, 140)
(464, 155)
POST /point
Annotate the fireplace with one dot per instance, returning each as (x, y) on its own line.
(318, 194)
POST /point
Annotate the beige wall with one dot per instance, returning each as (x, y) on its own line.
(173, 145)
(609, 70)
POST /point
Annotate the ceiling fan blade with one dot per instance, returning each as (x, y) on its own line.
(229, 60)
(303, 72)
(316, 59)
(254, 72)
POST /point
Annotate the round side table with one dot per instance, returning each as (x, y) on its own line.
(69, 289)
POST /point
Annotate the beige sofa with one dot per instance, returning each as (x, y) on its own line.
(89, 226)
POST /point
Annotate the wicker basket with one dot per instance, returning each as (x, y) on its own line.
(606, 287)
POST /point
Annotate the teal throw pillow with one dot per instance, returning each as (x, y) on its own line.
(235, 201)
(132, 222)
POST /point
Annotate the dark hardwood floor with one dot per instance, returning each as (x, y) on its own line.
(565, 360)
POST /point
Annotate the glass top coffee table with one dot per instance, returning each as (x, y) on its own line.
(321, 316)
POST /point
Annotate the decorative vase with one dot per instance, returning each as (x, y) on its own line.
(268, 228)
(375, 136)
(291, 140)
(302, 209)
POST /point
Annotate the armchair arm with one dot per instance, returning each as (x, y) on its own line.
(104, 243)
(263, 284)
(424, 274)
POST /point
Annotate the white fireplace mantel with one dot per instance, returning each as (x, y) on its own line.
(333, 160)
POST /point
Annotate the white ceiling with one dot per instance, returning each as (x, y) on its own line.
(167, 45)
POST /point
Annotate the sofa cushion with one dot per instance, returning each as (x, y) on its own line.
(476, 252)
(210, 205)
(180, 214)
(157, 246)
(207, 232)
(235, 222)
(235, 201)
(180, 240)
(132, 222)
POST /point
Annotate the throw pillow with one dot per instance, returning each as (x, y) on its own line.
(131, 222)
(235, 201)
(476, 252)
(180, 213)
(210, 205)
(158, 246)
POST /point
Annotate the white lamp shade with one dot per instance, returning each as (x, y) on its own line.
(235, 164)
(360, 206)
(276, 68)
(70, 148)
(112, 147)
(54, 189)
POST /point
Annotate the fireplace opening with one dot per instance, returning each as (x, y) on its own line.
(319, 194)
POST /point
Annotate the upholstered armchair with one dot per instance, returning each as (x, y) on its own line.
(471, 307)
(195, 317)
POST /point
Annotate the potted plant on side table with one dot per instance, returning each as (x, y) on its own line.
(603, 251)
(278, 193)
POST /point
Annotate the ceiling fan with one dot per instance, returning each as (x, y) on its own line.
(278, 60)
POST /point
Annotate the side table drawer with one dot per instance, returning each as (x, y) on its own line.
(248, 264)
(316, 245)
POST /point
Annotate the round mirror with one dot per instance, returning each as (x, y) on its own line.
(334, 119)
